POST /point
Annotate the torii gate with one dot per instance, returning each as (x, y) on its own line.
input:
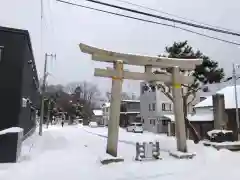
(118, 74)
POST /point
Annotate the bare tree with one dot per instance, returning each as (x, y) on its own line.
(86, 91)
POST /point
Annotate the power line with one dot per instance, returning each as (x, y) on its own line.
(165, 18)
(149, 21)
(170, 14)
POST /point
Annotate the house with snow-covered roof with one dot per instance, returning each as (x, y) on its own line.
(205, 109)
(98, 116)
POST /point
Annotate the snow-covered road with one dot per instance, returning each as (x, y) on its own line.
(74, 153)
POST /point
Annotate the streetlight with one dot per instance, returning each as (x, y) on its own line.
(236, 66)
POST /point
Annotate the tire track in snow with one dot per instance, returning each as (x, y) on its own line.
(122, 141)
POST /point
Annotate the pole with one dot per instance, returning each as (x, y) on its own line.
(178, 111)
(49, 104)
(236, 99)
(43, 95)
(113, 125)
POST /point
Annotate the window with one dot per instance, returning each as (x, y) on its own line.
(164, 122)
(202, 98)
(134, 105)
(153, 106)
(154, 123)
(151, 121)
(1, 53)
(166, 107)
(149, 107)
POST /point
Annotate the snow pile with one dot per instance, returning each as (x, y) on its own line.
(11, 130)
(182, 155)
(228, 143)
(216, 131)
(73, 153)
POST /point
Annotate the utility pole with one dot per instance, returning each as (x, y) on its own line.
(236, 99)
(44, 90)
(48, 116)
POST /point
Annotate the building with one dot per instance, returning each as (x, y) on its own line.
(156, 109)
(129, 112)
(211, 89)
(98, 116)
(205, 108)
(106, 113)
(19, 88)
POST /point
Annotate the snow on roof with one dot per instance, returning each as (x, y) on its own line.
(229, 97)
(130, 100)
(98, 112)
(193, 118)
(130, 112)
(170, 116)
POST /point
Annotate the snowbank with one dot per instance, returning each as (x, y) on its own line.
(73, 153)
(11, 130)
(216, 131)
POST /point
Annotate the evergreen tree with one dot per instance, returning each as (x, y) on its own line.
(207, 72)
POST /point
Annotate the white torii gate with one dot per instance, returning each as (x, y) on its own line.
(118, 74)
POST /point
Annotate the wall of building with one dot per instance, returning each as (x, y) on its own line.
(29, 90)
(106, 114)
(14, 75)
(151, 109)
(232, 124)
(132, 106)
(10, 78)
(203, 110)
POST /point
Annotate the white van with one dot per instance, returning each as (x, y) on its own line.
(135, 127)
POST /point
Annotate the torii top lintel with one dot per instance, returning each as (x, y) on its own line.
(139, 60)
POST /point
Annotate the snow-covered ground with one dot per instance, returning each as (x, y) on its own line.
(74, 153)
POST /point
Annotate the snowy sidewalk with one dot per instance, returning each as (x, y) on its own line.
(73, 153)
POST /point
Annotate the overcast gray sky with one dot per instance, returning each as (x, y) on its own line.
(65, 26)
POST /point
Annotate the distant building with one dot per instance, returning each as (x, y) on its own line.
(156, 109)
(98, 116)
(210, 89)
(204, 109)
(106, 113)
(129, 112)
(19, 88)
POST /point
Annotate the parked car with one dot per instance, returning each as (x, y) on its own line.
(135, 127)
(93, 124)
(80, 121)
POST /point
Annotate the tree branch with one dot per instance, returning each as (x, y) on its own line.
(163, 90)
(194, 96)
(192, 91)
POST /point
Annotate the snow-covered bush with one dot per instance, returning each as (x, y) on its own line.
(220, 135)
